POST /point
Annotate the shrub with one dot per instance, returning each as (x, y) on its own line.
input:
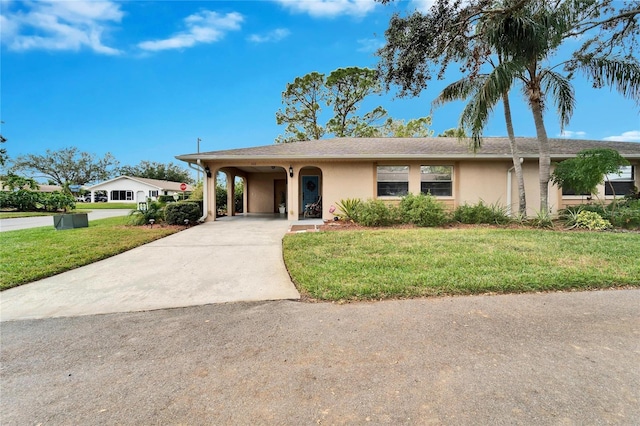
(422, 210)
(26, 200)
(542, 219)
(177, 213)
(481, 213)
(349, 209)
(142, 217)
(57, 200)
(375, 213)
(592, 220)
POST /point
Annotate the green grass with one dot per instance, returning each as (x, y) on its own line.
(103, 206)
(403, 263)
(31, 254)
(13, 215)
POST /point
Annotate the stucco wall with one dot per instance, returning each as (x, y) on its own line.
(473, 180)
(261, 192)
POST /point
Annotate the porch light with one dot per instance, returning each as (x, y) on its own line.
(207, 170)
(290, 171)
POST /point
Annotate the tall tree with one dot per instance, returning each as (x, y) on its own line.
(414, 128)
(301, 114)
(485, 91)
(154, 170)
(3, 151)
(343, 90)
(68, 166)
(347, 88)
(524, 33)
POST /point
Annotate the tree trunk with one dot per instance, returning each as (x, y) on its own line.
(535, 100)
(515, 155)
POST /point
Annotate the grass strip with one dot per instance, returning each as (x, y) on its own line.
(403, 263)
(31, 254)
(106, 206)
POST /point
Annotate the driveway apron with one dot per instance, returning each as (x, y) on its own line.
(237, 259)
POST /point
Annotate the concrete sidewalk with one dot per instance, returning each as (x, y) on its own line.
(237, 259)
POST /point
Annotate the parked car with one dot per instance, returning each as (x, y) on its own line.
(98, 198)
(80, 199)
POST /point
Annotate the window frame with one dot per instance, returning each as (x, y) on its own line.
(449, 187)
(128, 194)
(402, 186)
(627, 182)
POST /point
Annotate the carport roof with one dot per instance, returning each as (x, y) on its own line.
(388, 148)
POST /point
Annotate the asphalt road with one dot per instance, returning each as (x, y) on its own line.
(39, 221)
(539, 359)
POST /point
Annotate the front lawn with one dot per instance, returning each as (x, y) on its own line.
(31, 254)
(104, 206)
(402, 263)
(15, 214)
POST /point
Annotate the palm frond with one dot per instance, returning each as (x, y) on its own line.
(621, 73)
(562, 92)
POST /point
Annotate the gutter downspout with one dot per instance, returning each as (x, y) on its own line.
(509, 187)
(205, 192)
(509, 190)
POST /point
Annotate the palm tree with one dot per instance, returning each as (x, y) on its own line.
(526, 37)
(485, 91)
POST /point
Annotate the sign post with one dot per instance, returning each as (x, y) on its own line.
(183, 187)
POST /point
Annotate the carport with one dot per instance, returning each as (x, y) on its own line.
(280, 189)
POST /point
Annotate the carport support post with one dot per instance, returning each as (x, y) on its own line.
(231, 208)
(213, 213)
(293, 189)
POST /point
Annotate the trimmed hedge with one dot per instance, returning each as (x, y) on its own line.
(177, 213)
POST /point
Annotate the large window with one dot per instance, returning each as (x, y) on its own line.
(122, 195)
(622, 183)
(436, 180)
(153, 193)
(393, 181)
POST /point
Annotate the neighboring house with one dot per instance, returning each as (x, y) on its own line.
(48, 188)
(388, 168)
(127, 189)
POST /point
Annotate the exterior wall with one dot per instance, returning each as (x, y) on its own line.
(575, 200)
(261, 190)
(473, 180)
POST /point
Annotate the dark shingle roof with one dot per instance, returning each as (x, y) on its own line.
(378, 148)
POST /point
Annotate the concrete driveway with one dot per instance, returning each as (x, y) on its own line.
(231, 260)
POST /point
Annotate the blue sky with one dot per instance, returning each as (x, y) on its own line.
(144, 79)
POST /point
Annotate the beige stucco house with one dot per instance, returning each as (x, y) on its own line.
(387, 168)
(127, 189)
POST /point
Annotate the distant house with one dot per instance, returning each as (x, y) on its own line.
(48, 188)
(296, 174)
(127, 189)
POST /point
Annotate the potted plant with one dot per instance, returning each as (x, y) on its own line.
(283, 203)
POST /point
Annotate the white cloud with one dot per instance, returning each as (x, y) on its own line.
(422, 5)
(568, 134)
(59, 25)
(272, 36)
(631, 136)
(370, 44)
(202, 27)
(330, 8)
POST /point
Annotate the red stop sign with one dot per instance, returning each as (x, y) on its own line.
(183, 186)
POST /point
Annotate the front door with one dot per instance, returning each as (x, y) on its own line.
(310, 190)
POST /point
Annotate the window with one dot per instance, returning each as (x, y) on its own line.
(436, 180)
(622, 183)
(153, 193)
(122, 195)
(393, 181)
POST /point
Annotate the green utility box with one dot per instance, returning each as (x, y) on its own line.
(70, 221)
